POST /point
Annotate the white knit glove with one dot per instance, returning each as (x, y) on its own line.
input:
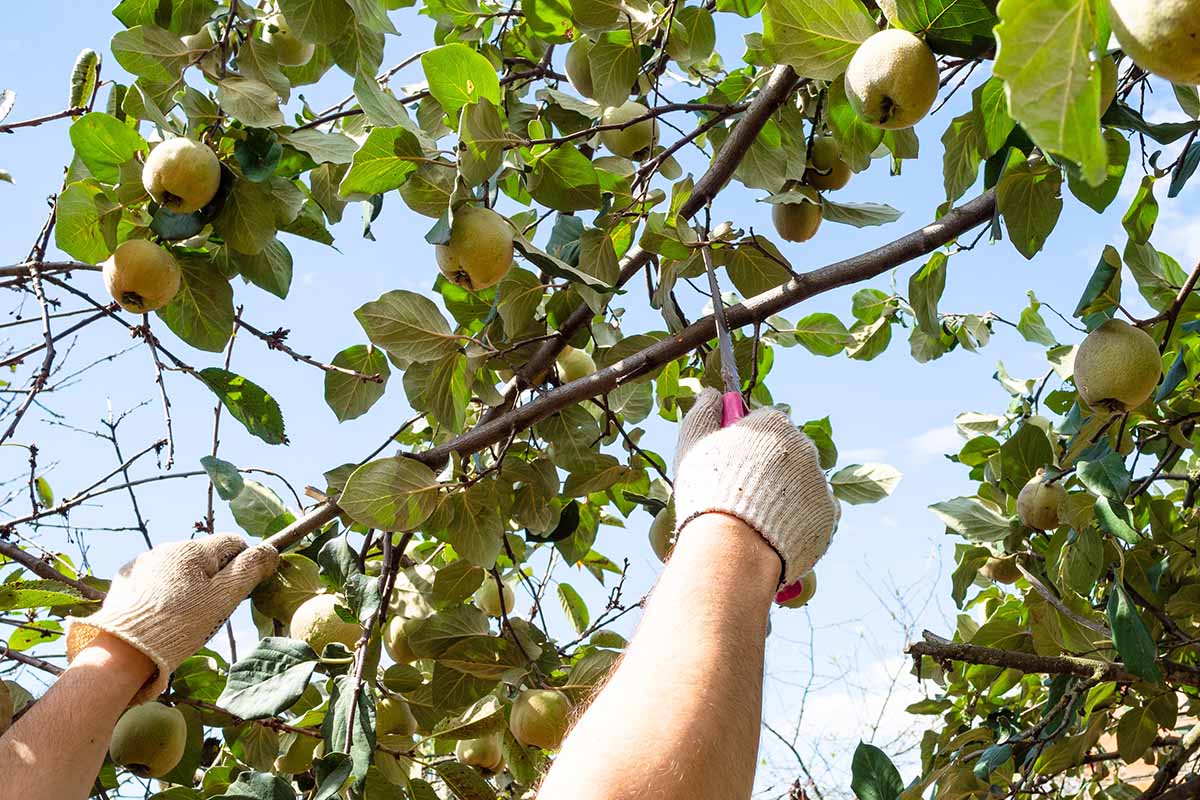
(170, 600)
(761, 470)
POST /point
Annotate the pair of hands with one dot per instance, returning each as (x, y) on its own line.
(169, 601)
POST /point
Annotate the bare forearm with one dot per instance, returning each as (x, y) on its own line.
(680, 716)
(54, 751)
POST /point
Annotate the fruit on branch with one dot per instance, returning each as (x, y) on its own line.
(1108, 82)
(1117, 367)
(393, 715)
(1161, 36)
(316, 621)
(633, 139)
(395, 639)
(807, 590)
(141, 276)
(149, 739)
(797, 222)
(290, 49)
(1001, 569)
(579, 71)
(574, 364)
(182, 175)
(1039, 504)
(540, 718)
(488, 598)
(6, 707)
(484, 752)
(480, 251)
(892, 80)
(299, 757)
(826, 170)
(662, 533)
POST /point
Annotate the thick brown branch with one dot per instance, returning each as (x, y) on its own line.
(44, 570)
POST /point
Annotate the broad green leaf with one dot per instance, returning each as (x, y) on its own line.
(816, 37)
(614, 63)
(1114, 519)
(481, 142)
(864, 483)
(258, 510)
(1030, 199)
(964, 141)
(1143, 213)
(872, 774)
(407, 325)
(925, 289)
(383, 163)
(349, 396)
(458, 75)
(860, 215)
(201, 313)
(319, 21)
(756, 265)
(1098, 198)
(248, 403)
(224, 476)
(1130, 636)
(104, 143)
(86, 227)
(855, 137)
(252, 102)
(565, 180)
(247, 220)
(972, 519)
(150, 52)
(1103, 290)
(1044, 57)
(270, 270)
(953, 27)
(463, 781)
(336, 148)
(573, 606)
(821, 334)
(268, 680)
(18, 595)
(391, 494)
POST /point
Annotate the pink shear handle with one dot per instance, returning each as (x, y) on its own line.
(733, 408)
(790, 592)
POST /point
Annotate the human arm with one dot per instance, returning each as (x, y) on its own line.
(161, 608)
(679, 718)
(55, 750)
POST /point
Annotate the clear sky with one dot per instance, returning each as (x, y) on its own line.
(888, 568)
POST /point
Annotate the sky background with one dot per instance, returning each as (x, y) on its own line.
(836, 666)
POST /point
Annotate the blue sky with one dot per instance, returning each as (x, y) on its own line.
(887, 556)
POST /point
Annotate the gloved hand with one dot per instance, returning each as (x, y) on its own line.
(761, 470)
(170, 600)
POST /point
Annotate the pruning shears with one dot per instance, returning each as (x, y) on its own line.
(733, 405)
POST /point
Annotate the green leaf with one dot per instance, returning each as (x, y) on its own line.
(872, 774)
(270, 270)
(1044, 56)
(816, 37)
(1103, 290)
(334, 148)
(1131, 638)
(1143, 213)
(755, 266)
(1025, 452)
(963, 142)
(224, 476)
(855, 137)
(86, 227)
(864, 483)
(348, 396)
(860, 215)
(253, 103)
(258, 510)
(319, 21)
(391, 494)
(247, 221)
(248, 404)
(1098, 198)
(972, 519)
(1104, 473)
(614, 63)
(953, 27)
(820, 431)
(597, 15)
(201, 312)
(150, 52)
(338, 727)
(565, 180)
(822, 334)
(1030, 199)
(463, 781)
(573, 606)
(407, 325)
(1033, 327)
(925, 289)
(1135, 733)
(481, 142)
(268, 680)
(383, 163)
(458, 75)
(456, 581)
(17, 595)
(104, 143)
(1116, 521)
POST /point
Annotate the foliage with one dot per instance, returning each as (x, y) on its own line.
(495, 471)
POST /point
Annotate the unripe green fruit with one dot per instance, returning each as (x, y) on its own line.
(182, 175)
(299, 757)
(6, 707)
(1108, 82)
(579, 71)
(1161, 36)
(540, 718)
(83, 78)
(892, 80)
(141, 276)
(826, 170)
(1117, 367)
(488, 598)
(574, 364)
(1001, 570)
(393, 715)
(290, 49)
(807, 590)
(480, 251)
(662, 533)
(395, 639)
(316, 621)
(632, 140)
(796, 222)
(149, 739)
(485, 753)
(1039, 504)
